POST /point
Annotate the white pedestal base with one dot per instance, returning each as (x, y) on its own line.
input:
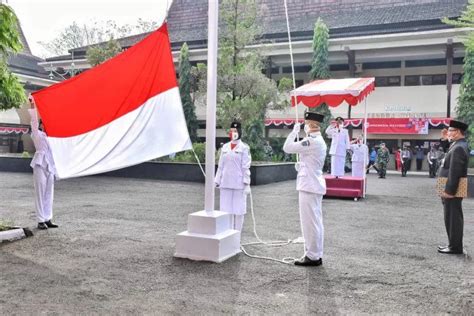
(208, 237)
(12, 234)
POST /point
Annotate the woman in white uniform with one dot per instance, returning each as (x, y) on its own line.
(233, 176)
(359, 153)
(339, 145)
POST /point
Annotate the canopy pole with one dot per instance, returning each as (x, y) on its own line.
(365, 142)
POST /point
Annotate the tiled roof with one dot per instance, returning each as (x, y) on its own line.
(27, 65)
(187, 19)
(26, 47)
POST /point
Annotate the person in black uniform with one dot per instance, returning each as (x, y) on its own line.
(454, 167)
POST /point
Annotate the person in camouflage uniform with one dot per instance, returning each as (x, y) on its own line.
(383, 157)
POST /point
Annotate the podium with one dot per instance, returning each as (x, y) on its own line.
(208, 238)
(347, 186)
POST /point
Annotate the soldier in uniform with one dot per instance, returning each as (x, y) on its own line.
(454, 167)
(383, 157)
(233, 176)
(311, 185)
(340, 143)
(43, 172)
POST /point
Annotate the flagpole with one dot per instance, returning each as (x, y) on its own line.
(209, 236)
(211, 104)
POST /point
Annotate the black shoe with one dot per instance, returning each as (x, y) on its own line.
(42, 226)
(449, 250)
(308, 262)
(50, 224)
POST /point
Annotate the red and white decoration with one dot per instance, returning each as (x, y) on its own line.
(333, 92)
(279, 122)
(13, 130)
(123, 112)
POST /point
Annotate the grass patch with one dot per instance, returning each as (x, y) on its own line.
(4, 226)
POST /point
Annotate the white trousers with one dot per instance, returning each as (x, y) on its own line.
(337, 165)
(358, 169)
(233, 201)
(311, 217)
(237, 222)
(44, 191)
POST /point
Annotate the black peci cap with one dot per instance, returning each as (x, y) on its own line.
(339, 118)
(235, 125)
(459, 125)
(311, 116)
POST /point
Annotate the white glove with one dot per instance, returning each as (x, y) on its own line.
(247, 189)
(297, 166)
(297, 128)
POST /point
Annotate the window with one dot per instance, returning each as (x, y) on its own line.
(389, 81)
(457, 78)
(412, 80)
(425, 80)
(382, 65)
(425, 62)
(298, 69)
(339, 67)
(439, 79)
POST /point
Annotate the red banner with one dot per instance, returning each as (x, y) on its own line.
(397, 126)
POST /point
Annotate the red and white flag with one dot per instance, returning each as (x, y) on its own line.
(124, 112)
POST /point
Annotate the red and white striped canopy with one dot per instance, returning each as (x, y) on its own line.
(333, 92)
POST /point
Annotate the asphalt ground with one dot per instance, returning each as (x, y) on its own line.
(113, 253)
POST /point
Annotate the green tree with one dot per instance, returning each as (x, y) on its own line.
(465, 109)
(99, 53)
(185, 86)
(12, 94)
(76, 35)
(320, 67)
(244, 92)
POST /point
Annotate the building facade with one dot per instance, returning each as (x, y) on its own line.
(15, 123)
(415, 58)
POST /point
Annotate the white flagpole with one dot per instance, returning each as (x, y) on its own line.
(211, 104)
(209, 236)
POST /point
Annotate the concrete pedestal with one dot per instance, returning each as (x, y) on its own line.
(12, 234)
(209, 237)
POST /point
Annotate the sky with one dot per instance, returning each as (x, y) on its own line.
(43, 20)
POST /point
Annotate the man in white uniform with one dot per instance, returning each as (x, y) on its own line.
(339, 145)
(311, 185)
(43, 173)
(360, 151)
(233, 176)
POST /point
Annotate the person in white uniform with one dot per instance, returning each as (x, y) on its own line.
(310, 185)
(233, 176)
(360, 151)
(339, 145)
(43, 172)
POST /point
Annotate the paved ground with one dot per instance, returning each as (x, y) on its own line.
(113, 253)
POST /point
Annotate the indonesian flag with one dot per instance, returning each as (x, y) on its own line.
(121, 113)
